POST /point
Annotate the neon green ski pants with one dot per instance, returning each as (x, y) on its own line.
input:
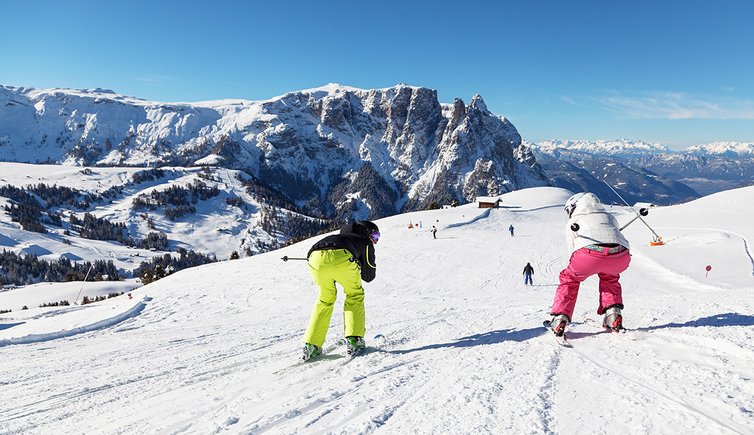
(328, 267)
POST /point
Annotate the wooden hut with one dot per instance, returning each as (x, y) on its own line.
(488, 201)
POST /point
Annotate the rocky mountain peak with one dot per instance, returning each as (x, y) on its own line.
(477, 103)
(303, 144)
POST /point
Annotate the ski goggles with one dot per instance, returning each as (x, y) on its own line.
(375, 236)
(569, 209)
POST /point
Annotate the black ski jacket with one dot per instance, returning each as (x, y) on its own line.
(354, 238)
(529, 269)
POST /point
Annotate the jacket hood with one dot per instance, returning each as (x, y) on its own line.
(355, 228)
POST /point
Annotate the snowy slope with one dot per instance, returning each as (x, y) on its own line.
(464, 351)
(47, 292)
(215, 228)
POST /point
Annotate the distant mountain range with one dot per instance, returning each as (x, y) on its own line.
(333, 151)
(642, 171)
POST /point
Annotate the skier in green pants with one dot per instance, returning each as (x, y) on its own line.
(346, 259)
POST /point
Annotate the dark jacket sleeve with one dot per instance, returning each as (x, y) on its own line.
(368, 264)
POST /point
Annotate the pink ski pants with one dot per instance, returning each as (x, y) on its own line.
(585, 263)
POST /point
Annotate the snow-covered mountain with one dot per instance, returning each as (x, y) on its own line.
(632, 148)
(730, 149)
(334, 150)
(456, 339)
(621, 147)
(647, 171)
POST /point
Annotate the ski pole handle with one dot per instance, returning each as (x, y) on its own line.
(286, 258)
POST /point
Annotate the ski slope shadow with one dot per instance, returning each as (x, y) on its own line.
(486, 338)
(9, 325)
(717, 320)
(526, 210)
(484, 215)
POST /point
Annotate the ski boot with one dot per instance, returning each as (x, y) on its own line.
(355, 345)
(558, 324)
(613, 320)
(311, 351)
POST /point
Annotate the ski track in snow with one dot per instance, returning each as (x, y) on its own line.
(464, 350)
(630, 379)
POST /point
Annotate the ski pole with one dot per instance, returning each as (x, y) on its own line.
(286, 258)
(642, 211)
(82, 284)
(638, 216)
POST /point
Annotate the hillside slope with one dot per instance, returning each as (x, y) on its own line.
(463, 350)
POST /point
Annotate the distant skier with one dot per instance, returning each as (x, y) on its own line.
(510, 228)
(528, 272)
(434, 231)
(597, 247)
(346, 259)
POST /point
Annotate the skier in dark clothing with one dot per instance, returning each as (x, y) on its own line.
(434, 231)
(528, 272)
(346, 258)
(510, 228)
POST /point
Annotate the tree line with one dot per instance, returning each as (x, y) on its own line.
(20, 269)
(162, 266)
(176, 201)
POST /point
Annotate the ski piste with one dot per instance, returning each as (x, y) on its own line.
(561, 340)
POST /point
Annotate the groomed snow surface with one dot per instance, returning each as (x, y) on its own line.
(215, 348)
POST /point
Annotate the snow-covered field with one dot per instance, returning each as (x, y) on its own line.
(215, 228)
(214, 348)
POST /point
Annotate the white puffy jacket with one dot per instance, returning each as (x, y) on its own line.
(596, 225)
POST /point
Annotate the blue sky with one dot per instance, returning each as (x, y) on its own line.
(676, 72)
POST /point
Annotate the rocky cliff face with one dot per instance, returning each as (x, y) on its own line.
(333, 150)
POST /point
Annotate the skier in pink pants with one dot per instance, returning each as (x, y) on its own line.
(597, 247)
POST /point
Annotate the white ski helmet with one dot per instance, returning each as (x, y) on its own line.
(570, 205)
(586, 202)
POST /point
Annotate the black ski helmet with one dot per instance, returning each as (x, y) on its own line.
(371, 226)
(372, 229)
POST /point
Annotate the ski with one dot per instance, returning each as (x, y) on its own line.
(560, 339)
(596, 324)
(325, 351)
(379, 340)
(355, 355)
